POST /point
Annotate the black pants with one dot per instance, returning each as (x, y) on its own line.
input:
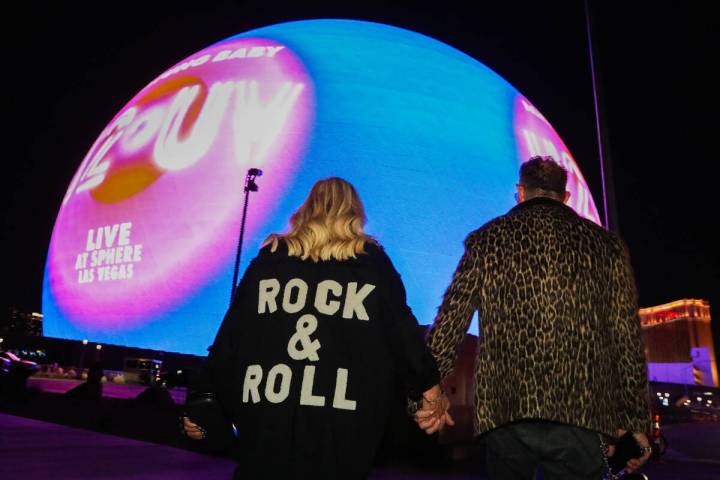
(561, 452)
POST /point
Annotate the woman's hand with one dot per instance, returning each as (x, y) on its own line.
(193, 430)
(434, 415)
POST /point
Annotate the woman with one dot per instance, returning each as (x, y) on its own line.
(309, 353)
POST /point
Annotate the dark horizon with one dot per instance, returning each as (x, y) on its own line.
(77, 68)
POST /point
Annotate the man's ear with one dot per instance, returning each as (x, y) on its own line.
(567, 197)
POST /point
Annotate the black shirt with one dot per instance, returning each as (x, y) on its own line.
(307, 359)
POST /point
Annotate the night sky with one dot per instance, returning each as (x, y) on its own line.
(73, 68)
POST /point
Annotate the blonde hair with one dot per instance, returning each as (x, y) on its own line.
(328, 225)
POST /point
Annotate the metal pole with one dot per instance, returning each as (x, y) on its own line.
(239, 246)
(603, 150)
(250, 186)
(82, 358)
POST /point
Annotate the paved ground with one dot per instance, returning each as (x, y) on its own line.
(32, 449)
(691, 441)
(110, 390)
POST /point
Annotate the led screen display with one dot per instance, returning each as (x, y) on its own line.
(143, 248)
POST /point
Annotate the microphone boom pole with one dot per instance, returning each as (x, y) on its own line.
(250, 186)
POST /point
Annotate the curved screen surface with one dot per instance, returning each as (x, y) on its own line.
(143, 248)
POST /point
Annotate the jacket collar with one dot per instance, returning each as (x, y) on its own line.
(539, 201)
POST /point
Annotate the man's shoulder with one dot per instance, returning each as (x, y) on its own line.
(600, 232)
(514, 219)
(485, 230)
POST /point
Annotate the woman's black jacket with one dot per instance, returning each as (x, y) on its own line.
(307, 360)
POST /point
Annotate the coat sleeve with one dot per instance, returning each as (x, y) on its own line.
(218, 372)
(416, 364)
(627, 341)
(459, 303)
(209, 398)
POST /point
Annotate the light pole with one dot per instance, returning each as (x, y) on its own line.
(82, 358)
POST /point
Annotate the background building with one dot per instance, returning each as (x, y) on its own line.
(679, 343)
(22, 323)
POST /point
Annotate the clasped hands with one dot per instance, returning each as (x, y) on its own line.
(431, 417)
(434, 414)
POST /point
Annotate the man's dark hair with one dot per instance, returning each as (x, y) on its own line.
(543, 173)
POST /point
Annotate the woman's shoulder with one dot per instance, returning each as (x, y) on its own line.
(372, 249)
(375, 253)
(276, 250)
(272, 250)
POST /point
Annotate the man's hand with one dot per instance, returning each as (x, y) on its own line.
(193, 430)
(642, 440)
(434, 415)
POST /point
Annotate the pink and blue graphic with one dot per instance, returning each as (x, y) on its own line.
(535, 136)
(143, 247)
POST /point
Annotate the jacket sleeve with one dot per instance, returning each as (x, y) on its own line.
(416, 364)
(459, 303)
(627, 341)
(217, 373)
(209, 398)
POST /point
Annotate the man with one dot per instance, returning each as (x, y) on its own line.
(560, 362)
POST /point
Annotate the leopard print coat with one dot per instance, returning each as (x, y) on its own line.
(560, 332)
